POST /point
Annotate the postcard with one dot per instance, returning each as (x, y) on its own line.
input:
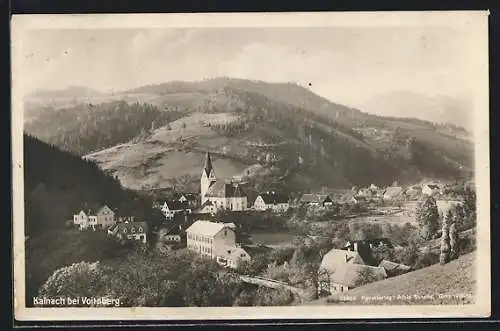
(251, 166)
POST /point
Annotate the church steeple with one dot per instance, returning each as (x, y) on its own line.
(207, 177)
(208, 164)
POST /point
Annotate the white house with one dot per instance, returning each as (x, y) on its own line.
(85, 220)
(431, 189)
(274, 201)
(172, 207)
(81, 220)
(207, 208)
(392, 192)
(216, 241)
(105, 217)
(340, 271)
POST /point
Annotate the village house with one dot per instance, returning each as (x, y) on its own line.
(392, 192)
(190, 198)
(129, 231)
(354, 245)
(173, 234)
(216, 241)
(272, 200)
(207, 208)
(431, 189)
(105, 217)
(312, 199)
(82, 219)
(172, 207)
(364, 193)
(341, 271)
(227, 195)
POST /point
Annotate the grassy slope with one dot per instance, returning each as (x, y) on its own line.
(446, 283)
(156, 160)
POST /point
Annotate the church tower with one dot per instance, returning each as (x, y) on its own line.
(207, 177)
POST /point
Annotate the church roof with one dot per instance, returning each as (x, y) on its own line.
(225, 190)
(208, 164)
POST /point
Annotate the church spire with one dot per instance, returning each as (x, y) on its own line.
(208, 164)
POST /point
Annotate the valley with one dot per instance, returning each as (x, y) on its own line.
(247, 125)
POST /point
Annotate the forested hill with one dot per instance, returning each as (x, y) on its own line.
(86, 127)
(58, 183)
(252, 125)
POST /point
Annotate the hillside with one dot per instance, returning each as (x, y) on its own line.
(452, 283)
(437, 109)
(57, 183)
(86, 127)
(262, 130)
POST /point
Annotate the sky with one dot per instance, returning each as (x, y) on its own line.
(347, 65)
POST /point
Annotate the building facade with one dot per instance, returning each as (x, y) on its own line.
(226, 195)
(272, 200)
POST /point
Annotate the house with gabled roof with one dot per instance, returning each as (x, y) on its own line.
(272, 200)
(190, 198)
(431, 189)
(313, 199)
(342, 270)
(105, 217)
(207, 208)
(217, 241)
(172, 207)
(130, 231)
(392, 192)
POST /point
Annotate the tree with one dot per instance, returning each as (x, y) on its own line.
(427, 217)
(270, 297)
(444, 256)
(365, 276)
(383, 252)
(83, 279)
(454, 242)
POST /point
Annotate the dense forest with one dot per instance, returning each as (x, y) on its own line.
(331, 149)
(58, 183)
(86, 128)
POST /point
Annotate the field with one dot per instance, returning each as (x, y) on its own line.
(453, 283)
(157, 162)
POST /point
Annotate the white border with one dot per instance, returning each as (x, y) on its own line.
(474, 21)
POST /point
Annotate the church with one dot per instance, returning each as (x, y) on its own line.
(223, 195)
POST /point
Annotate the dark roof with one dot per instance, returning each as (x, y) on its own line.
(207, 203)
(433, 186)
(174, 230)
(177, 205)
(208, 164)
(373, 241)
(129, 227)
(225, 190)
(311, 197)
(273, 197)
(188, 196)
(255, 250)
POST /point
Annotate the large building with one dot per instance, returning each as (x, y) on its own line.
(217, 241)
(223, 195)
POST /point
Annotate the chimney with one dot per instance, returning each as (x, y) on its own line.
(355, 247)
